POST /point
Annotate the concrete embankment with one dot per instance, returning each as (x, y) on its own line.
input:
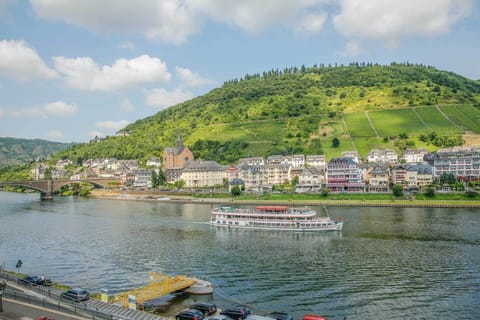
(151, 196)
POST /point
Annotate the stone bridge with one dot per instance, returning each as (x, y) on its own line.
(48, 187)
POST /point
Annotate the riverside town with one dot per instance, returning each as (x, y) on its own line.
(455, 169)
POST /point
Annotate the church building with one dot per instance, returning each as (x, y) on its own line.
(174, 160)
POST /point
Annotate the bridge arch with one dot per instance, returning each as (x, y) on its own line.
(48, 187)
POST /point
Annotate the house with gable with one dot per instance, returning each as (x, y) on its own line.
(378, 178)
(419, 176)
(310, 180)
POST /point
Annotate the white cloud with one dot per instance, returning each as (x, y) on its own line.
(60, 108)
(390, 20)
(353, 49)
(162, 98)
(19, 61)
(166, 20)
(55, 135)
(254, 15)
(128, 45)
(30, 112)
(312, 23)
(175, 20)
(112, 125)
(126, 105)
(83, 73)
(192, 79)
(57, 108)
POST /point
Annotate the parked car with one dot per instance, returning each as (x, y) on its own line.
(191, 314)
(31, 280)
(236, 313)
(314, 317)
(257, 317)
(219, 317)
(206, 308)
(76, 295)
(35, 281)
(280, 315)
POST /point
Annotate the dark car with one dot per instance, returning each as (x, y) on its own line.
(31, 280)
(35, 281)
(219, 317)
(279, 315)
(191, 314)
(206, 308)
(236, 313)
(76, 295)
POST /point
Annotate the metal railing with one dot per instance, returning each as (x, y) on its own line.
(47, 297)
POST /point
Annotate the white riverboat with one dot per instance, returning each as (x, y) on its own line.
(283, 218)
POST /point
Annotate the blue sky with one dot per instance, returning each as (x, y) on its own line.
(72, 70)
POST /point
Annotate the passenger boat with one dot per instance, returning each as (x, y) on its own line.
(283, 218)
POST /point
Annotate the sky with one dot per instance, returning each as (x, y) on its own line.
(72, 70)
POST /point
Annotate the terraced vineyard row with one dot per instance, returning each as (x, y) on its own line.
(444, 120)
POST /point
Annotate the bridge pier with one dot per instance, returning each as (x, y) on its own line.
(46, 196)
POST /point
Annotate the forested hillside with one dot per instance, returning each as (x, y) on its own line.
(314, 110)
(15, 151)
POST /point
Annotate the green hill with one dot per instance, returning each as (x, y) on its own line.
(14, 151)
(301, 110)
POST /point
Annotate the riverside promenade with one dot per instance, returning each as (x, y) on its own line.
(393, 203)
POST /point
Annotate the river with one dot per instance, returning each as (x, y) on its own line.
(387, 263)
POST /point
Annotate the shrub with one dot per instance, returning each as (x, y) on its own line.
(397, 190)
(430, 192)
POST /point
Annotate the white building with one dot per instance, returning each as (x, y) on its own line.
(252, 176)
(382, 156)
(154, 162)
(143, 178)
(61, 164)
(463, 162)
(200, 173)
(414, 155)
(317, 161)
(352, 155)
(311, 179)
(252, 161)
(298, 161)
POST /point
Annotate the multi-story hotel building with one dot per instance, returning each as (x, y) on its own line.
(463, 162)
(344, 175)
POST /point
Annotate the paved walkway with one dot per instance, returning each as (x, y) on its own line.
(16, 310)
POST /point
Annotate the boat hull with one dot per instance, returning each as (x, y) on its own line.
(334, 227)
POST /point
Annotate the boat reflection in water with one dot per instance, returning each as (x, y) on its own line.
(277, 237)
(284, 218)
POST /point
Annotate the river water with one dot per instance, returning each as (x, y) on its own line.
(385, 264)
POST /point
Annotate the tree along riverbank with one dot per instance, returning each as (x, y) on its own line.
(345, 200)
